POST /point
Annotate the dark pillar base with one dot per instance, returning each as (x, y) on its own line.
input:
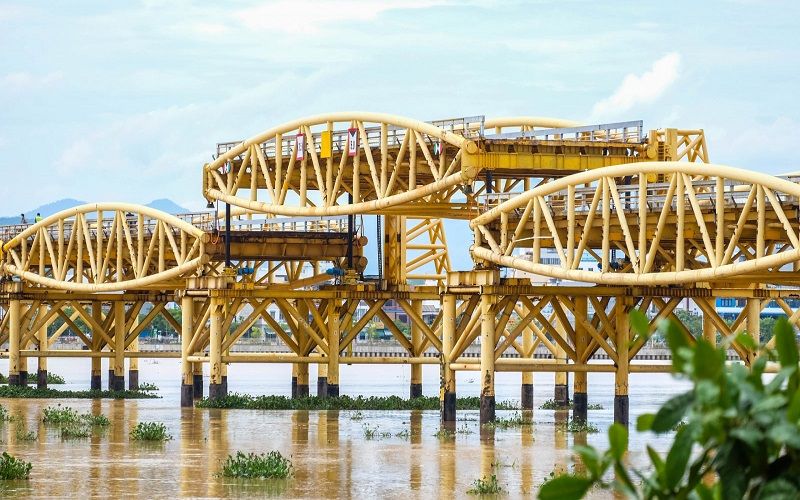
(526, 396)
(96, 384)
(415, 391)
(561, 395)
(41, 379)
(580, 406)
(294, 387)
(216, 391)
(322, 387)
(13, 379)
(118, 383)
(111, 378)
(197, 382)
(23, 379)
(187, 395)
(225, 385)
(621, 407)
(302, 390)
(333, 390)
(449, 407)
(133, 380)
(487, 409)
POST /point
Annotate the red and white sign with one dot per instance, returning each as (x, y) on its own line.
(352, 142)
(300, 146)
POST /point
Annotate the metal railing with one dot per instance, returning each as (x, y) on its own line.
(627, 132)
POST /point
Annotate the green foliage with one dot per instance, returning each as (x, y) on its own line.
(22, 434)
(244, 401)
(516, 420)
(731, 427)
(95, 420)
(148, 386)
(14, 468)
(551, 404)
(577, 426)
(16, 391)
(371, 433)
(75, 430)
(55, 379)
(3, 379)
(4, 415)
(150, 431)
(271, 465)
(485, 486)
(56, 415)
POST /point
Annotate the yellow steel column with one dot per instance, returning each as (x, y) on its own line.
(580, 380)
(97, 315)
(22, 366)
(119, 346)
(322, 379)
(333, 348)
(415, 391)
(622, 341)
(133, 363)
(448, 376)
(561, 390)
(709, 330)
(41, 335)
(488, 341)
(526, 389)
(753, 324)
(197, 366)
(215, 388)
(187, 328)
(14, 324)
(300, 380)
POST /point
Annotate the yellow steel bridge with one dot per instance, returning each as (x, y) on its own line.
(657, 222)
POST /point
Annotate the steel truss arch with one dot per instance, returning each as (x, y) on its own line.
(674, 223)
(105, 247)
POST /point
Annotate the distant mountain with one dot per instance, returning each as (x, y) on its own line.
(163, 204)
(45, 210)
(168, 206)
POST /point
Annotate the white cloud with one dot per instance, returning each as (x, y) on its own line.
(22, 80)
(641, 89)
(308, 17)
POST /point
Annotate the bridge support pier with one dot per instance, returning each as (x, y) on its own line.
(448, 376)
(41, 335)
(118, 375)
(580, 379)
(333, 348)
(197, 380)
(561, 389)
(622, 339)
(300, 381)
(322, 380)
(526, 389)
(14, 324)
(133, 365)
(187, 372)
(415, 390)
(215, 386)
(488, 341)
(96, 383)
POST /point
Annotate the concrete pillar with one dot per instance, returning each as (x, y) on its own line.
(333, 348)
(448, 376)
(580, 379)
(96, 374)
(622, 338)
(119, 346)
(41, 335)
(488, 341)
(133, 363)
(300, 382)
(215, 387)
(295, 370)
(14, 325)
(526, 389)
(187, 372)
(415, 390)
(561, 390)
(197, 379)
(322, 380)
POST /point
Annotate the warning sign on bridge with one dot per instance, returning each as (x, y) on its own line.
(352, 142)
(300, 146)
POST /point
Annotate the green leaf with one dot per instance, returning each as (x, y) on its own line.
(785, 343)
(750, 435)
(590, 458)
(678, 457)
(708, 361)
(645, 422)
(776, 489)
(655, 458)
(639, 323)
(793, 413)
(565, 487)
(671, 412)
(785, 434)
(618, 439)
(745, 340)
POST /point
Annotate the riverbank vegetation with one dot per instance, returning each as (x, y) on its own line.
(270, 465)
(13, 468)
(14, 391)
(244, 401)
(486, 486)
(150, 431)
(740, 439)
(552, 404)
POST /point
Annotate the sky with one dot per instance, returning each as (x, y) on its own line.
(125, 101)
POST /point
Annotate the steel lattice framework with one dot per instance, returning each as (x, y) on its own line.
(659, 225)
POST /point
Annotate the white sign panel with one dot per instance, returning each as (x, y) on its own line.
(300, 146)
(352, 142)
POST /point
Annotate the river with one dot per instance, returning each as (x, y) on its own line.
(329, 450)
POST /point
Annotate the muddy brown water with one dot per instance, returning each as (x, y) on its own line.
(330, 451)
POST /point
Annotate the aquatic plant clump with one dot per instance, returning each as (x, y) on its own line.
(14, 468)
(244, 401)
(516, 420)
(56, 415)
(270, 465)
(150, 431)
(55, 379)
(95, 420)
(75, 431)
(486, 486)
(147, 386)
(15, 392)
(552, 404)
